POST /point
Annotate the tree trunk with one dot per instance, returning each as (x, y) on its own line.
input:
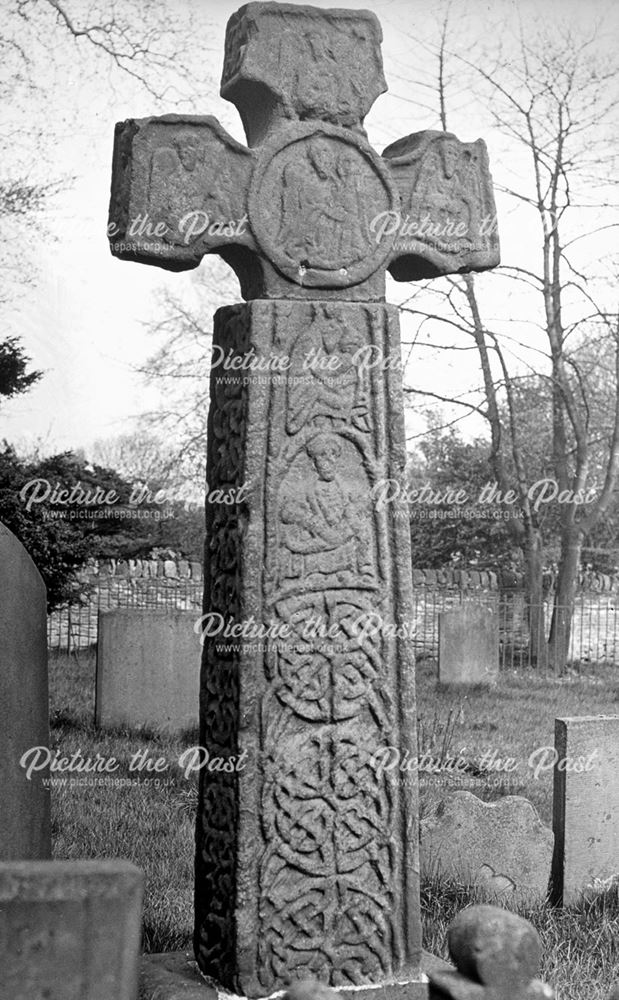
(563, 609)
(533, 556)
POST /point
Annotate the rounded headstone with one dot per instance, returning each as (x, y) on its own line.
(24, 707)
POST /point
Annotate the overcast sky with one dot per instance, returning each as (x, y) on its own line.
(83, 317)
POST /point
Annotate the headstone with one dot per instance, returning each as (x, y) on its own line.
(586, 805)
(24, 707)
(502, 848)
(148, 665)
(69, 930)
(169, 568)
(468, 639)
(306, 858)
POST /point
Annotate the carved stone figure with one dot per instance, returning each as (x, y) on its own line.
(328, 377)
(325, 531)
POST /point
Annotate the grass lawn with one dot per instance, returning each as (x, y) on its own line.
(514, 720)
(150, 819)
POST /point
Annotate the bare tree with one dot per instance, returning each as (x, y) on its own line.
(554, 100)
(180, 368)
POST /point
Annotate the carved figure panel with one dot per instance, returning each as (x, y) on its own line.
(320, 64)
(448, 211)
(312, 200)
(329, 384)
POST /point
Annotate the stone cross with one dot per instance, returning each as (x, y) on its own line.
(307, 855)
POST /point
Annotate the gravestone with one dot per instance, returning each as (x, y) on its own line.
(502, 848)
(69, 930)
(586, 805)
(148, 666)
(25, 830)
(122, 569)
(468, 646)
(307, 859)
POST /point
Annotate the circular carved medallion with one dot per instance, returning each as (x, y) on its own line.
(312, 200)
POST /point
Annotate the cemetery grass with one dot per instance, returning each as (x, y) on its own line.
(504, 735)
(153, 825)
(149, 822)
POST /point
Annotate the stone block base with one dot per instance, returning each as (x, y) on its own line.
(175, 976)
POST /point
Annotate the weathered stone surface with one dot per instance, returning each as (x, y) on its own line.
(309, 205)
(586, 804)
(176, 976)
(307, 856)
(338, 50)
(196, 571)
(496, 955)
(468, 645)
(447, 206)
(501, 847)
(293, 881)
(24, 707)
(148, 665)
(69, 930)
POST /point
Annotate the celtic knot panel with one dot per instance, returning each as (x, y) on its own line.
(317, 872)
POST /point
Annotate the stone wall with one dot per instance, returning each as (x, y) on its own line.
(171, 569)
(176, 584)
(155, 584)
(595, 626)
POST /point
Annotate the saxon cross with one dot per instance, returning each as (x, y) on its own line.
(307, 856)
